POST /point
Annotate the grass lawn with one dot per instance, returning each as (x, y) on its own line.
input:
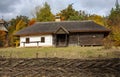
(62, 52)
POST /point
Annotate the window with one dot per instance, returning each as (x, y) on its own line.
(42, 39)
(93, 36)
(27, 40)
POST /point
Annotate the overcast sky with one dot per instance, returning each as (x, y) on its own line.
(11, 8)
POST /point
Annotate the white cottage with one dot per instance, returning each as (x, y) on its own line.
(63, 33)
(37, 40)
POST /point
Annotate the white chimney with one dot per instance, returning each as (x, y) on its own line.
(57, 19)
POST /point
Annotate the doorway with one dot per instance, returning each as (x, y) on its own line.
(62, 40)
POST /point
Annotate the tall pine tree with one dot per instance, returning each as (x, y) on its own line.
(70, 13)
(114, 24)
(44, 14)
(114, 17)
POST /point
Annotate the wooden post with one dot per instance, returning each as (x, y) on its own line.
(10, 55)
(55, 40)
(37, 44)
(78, 40)
(66, 40)
(45, 54)
(37, 54)
(10, 59)
(24, 44)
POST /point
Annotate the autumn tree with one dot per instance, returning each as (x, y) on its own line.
(32, 21)
(2, 38)
(3, 32)
(114, 24)
(98, 19)
(44, 14)
(16, 24)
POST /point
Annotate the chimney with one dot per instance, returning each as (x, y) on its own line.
(57, 19)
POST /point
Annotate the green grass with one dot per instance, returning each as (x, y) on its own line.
(62, 52)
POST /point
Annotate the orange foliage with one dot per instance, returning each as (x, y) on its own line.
(32, 21)
(2, 37)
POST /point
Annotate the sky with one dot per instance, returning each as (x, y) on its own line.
(11, 8)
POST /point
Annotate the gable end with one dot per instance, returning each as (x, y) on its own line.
(61, 30)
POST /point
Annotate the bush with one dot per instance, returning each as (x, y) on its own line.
(107, 43)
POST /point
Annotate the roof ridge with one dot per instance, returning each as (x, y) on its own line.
(65, 21)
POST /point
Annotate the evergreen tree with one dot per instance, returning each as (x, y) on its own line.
(71, 14)
(114, 24)
(114, 17)
(44, 14)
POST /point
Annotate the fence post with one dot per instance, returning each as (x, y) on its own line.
(37, 54)
(10, 55)
(45, 54)
(10, 59)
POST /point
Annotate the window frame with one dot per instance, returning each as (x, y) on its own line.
(27, 40)
(42, 39)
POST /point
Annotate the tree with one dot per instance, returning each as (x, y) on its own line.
(44, 13)
(68, 13)
(16, 24)
(97, 18)
(71, 14)
(116, 35)
(2, 38)
(3, 32)
(32, 21)
(80, 15)
(20, 25)
(114, 24)
(114, 17)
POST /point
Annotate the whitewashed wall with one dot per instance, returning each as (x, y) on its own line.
(48, 41)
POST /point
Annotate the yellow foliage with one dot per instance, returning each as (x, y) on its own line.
(17, 42)
(98, 19)
(21, 24)
(116, 34)
(2, 38)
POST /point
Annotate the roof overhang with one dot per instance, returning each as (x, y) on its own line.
(33, 34)
(91, 31)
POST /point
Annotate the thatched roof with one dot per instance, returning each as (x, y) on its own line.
(2, 25)
(70, 26)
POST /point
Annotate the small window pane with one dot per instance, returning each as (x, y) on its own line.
(42, 39)
(27, 40)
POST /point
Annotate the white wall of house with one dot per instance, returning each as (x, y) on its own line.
(33, 39)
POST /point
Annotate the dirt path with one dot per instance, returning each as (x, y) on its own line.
(56, 67)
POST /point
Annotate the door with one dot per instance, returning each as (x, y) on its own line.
(62, 40)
